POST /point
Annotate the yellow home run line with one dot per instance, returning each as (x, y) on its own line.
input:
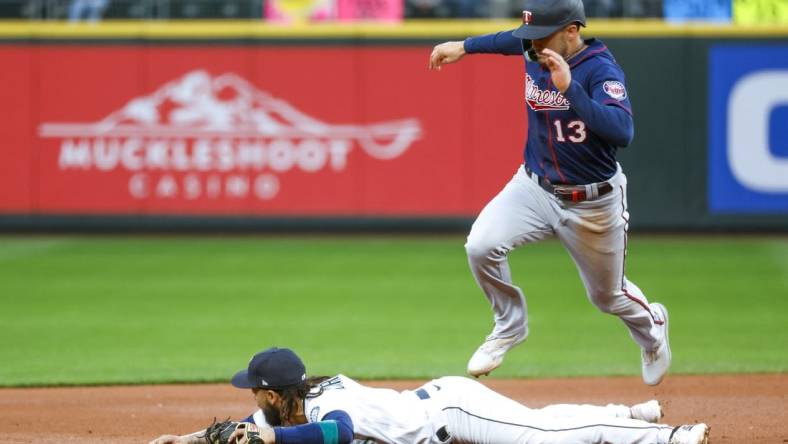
(411, 29)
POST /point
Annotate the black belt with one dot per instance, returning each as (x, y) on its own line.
(573, 193)
(442, 433)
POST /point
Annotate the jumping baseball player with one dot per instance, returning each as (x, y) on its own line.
(296, 409)
(569, 184)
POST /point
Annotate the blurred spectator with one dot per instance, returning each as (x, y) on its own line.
(380, 10)
(750, 10)
(90, 10)
(760, 11)
(464, 8)
(426, 9)
(459, 8)
(513, 8)
(603, 8)
(698, 10)
(642, 8)
(623, 8)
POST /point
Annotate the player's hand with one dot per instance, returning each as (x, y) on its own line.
(559, 69)
(266, 434)
(444, 53)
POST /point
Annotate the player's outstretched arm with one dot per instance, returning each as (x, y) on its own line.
(449, 52)
(194, 438)
(175, 439)
(499, 43)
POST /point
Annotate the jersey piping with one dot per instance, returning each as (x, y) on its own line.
(526, 426)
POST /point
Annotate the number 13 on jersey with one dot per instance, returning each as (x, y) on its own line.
(575, 131)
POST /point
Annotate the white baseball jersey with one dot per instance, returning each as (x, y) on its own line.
(378, 414)
(461, 410)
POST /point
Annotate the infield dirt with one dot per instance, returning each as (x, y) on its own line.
(741, 409)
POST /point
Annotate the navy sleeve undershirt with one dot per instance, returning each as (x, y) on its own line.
(335, 428)
(499, 43)
(612, 123)
(344, 423)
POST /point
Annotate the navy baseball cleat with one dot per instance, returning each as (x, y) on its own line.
(655, 362)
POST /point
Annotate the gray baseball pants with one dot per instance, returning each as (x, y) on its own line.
(594, 233)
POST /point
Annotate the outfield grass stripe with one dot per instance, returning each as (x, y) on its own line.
(86, 310)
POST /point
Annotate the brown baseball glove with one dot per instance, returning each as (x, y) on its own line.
(220, 432)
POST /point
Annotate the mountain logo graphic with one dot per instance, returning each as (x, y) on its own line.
(223, 124)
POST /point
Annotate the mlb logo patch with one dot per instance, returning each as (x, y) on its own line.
(527, 17)
(615, 90)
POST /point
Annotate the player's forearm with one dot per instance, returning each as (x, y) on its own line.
(323, 432)
(499, 43)
(196, 437)
(612, 123)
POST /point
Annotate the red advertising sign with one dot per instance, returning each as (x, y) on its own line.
(301, 131)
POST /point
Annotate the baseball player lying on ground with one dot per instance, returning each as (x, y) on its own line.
(297, 409)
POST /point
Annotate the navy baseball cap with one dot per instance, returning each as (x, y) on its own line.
(544, 17)
(274, 368)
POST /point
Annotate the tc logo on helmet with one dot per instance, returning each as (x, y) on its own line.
(527, 17)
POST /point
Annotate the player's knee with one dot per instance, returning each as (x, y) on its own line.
(603, 300)
(480, 250)
(474, 250)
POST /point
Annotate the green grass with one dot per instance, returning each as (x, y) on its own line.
(87, 310)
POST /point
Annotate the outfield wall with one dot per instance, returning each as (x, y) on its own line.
(243, 125)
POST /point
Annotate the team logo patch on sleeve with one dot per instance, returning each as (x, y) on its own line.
(313, 414)
(615, 89)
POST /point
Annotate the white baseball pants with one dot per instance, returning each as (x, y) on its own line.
(594, 233)
(474, 414)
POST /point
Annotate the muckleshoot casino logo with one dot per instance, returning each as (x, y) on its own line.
(201, 136)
